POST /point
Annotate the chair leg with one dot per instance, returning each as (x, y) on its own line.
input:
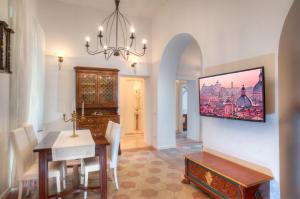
(28, 190)
(57, 178)
(64, 174)
(86, 180)
(20, 190)
(81, 172)
(116, 179)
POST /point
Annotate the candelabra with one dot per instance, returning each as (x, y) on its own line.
(73, 119)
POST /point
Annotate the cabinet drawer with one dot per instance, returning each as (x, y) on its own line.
(216, 183)
(97, 124)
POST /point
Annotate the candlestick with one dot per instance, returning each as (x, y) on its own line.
(73, 119)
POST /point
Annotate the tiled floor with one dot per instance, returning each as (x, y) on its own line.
(133, 141)
(147, 174)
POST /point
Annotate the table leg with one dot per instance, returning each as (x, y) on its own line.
(103, 172)
(43, 175)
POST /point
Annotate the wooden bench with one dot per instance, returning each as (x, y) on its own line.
(222, 178)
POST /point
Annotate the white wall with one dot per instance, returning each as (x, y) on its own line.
(4, 114)
(66, 27)
(193, 131)
(190, 62)
(128, 101)
(226, 31)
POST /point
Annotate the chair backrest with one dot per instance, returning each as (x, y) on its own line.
(108, 133)
(31, 135)
(22, 150)
(115, 142)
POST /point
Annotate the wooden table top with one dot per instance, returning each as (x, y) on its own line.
(233, 171)
(48, 141)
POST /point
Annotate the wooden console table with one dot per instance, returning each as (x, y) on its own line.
(222, 178)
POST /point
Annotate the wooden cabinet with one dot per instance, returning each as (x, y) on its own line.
(98, 89)
(224, 179)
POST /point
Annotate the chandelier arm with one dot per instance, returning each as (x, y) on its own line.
(107, 28)
(106, 18)
(137, 53)
(125, 18)
(126, 23)
(111, 48)
(106, 22)
(109, 55)
(122, 29)
(110, 29)
(121, 52)
(126, 55)
(95, 52)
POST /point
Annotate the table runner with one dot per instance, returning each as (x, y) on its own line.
(69, 148)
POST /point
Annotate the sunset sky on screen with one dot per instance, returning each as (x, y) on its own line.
(247, 78)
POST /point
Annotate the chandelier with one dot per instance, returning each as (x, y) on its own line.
(116, 27)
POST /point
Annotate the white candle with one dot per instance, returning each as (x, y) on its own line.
(82, 107)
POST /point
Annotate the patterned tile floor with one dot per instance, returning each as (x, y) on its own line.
(147, 174)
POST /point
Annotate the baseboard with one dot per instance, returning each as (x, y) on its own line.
(5, 193)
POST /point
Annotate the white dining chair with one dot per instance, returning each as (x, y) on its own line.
(92, 164)
(108, 136)
(31, 134)
(33, 139)
(108, 133)
(27, 168)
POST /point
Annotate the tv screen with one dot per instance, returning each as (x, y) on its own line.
(237, 95)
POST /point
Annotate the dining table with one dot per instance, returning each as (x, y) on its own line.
(44, 150)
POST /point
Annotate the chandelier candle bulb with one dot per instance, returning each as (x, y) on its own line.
(87, 39)
(100, 28)
(132, 30)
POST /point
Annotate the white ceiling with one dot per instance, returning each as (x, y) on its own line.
(145, 8)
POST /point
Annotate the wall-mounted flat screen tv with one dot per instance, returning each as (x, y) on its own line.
(237, 95)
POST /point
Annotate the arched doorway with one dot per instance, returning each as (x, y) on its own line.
(289, 104)
(180, 48)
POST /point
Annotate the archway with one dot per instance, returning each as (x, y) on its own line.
(289, 104)
(166, 93)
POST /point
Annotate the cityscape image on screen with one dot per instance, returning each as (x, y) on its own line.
(237, 95)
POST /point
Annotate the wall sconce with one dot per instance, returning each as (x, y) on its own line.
(133, 64)
(60, 56)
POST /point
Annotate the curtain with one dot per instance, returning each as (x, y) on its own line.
(36, 112)
(28, 65)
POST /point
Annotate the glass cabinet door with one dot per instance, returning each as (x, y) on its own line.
(106, 84)
(87, 88)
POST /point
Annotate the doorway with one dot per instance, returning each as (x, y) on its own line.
(132, 112)
(182, 109)
(181, 60)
